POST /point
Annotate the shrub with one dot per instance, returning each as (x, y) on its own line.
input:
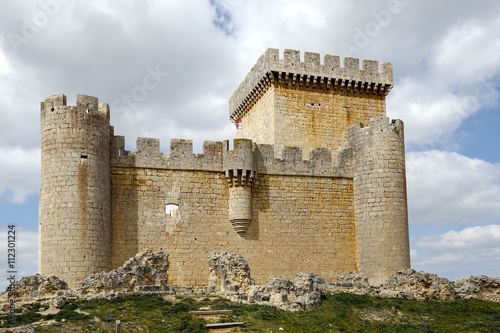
(70, 315)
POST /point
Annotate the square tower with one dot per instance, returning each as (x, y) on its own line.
(308, 104)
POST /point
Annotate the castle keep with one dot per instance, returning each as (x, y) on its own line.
(315, 182)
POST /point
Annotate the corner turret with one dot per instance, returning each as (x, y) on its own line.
(75, 193)
(380, 201)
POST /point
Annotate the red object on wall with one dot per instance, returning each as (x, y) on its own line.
(238, 123)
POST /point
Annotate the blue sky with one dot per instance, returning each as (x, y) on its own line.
(446, 71)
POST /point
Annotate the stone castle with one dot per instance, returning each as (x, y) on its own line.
(315, 182)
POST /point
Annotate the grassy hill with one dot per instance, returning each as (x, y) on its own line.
(337, 313)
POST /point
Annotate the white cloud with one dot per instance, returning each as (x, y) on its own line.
(430, 117)
(455, 83)
(26, 247)
(474, 237)
(19, 173)
(446, 187)
(466, 54)
(4, 64)
(459, 254)
(443, 55)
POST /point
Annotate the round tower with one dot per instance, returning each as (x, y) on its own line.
(75, 193)
(240, 171)
(380, 198)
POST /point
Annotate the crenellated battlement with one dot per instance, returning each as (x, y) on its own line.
(85, 105)
(217, 157)
(180, 157)
(309, 73)
(378, 126)
(320, 162)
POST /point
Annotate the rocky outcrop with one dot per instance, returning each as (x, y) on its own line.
(34, 286)
(229, 276)
(228, 272)
(145, 269)
(354, 277)
(300, 294)
(25, 329)
(481, 287)
(420, 285)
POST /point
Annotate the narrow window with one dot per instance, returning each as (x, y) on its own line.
(171, 209)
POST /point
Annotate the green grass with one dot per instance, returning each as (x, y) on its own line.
(337, 313)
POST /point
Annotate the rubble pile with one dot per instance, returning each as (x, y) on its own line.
(418, 285)
(229, 276)
(34, 286)
(482, 287)
(228, 272)
(145, 269)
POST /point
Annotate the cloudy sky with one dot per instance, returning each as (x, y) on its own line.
(446, 71)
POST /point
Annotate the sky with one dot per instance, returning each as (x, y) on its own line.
(167, 69)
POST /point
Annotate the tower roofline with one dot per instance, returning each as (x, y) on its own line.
(310, 72)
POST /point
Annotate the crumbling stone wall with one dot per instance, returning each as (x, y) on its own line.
(34, 286)
(230, 277)
(228, 272)
(144, 269)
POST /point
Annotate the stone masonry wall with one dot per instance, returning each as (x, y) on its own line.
(301, 220)
(140, 221)
(311, 118)
(259, 125)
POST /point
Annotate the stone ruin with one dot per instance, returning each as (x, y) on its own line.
(36, 286)
(145, 269)
(228, 272)
(229, 277)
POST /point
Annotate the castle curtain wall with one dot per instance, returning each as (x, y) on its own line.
(301, 221)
